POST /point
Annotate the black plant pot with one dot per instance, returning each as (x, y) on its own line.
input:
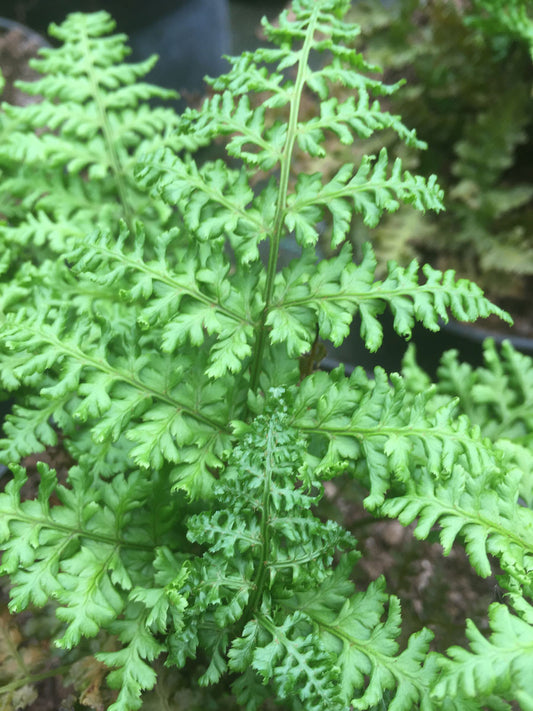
(467, 339)
(190, 36)
(190, 40)
(129, 15)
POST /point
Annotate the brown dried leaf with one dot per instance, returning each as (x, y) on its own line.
(17, 662)
(87, 676)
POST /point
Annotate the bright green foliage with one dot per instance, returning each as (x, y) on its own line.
(148, 328)
(381, 431)
(484, 671)
(88, 552)
(78, 146)
(492, 520)
(495, 397)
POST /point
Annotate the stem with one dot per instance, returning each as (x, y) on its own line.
(116, 165)
(33, 679)
(281, 202)
(259, 582)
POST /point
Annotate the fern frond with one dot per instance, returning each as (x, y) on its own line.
(297, 662)
(383, 436)
(87, 124)
(316, 646)
(370, 191)
(69, 552)
(499, 666)
(174, 418)
(488, 520)
(495, 397)
(331, 292)
(133, 673)
(216, 200)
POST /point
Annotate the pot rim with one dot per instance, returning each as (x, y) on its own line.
(479, 334)
(7, 24)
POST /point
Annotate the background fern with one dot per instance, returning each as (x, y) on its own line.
(78, 145)
(469, 68)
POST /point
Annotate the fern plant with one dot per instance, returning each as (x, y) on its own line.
(178, 370)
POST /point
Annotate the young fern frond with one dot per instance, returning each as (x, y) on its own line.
(268, 565)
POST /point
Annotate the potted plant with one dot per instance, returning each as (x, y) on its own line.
(183, 548)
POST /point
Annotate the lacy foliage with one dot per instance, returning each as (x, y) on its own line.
(147, 330)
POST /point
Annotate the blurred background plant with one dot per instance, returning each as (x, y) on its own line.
(468, 95)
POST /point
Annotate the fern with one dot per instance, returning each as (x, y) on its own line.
(495, 397)
(79, 144)
(508, 19)
(508, 651)
(147, 332)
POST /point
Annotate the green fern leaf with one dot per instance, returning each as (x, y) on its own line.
(486, 516)
(133, 674)
(297, 664)
(94, 125)
(499, 665)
